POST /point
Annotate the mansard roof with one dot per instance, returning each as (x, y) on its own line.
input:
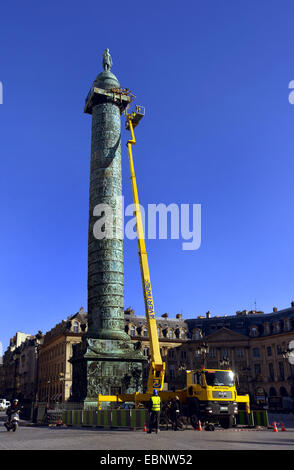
(241, 323)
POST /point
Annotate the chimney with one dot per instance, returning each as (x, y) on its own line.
(292, 304)
(179, 316)
(164, 315)
(275, 309)
(208, 314)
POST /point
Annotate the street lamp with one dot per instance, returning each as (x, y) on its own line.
(62, 379)
(203, 350)
(289, 354)
(48, 382)
(224, 362)
(15, 387)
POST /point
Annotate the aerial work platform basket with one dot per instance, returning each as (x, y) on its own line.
(136, 116)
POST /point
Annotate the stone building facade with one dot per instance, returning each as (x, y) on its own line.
(254, 344)
(251, 343)
(20, 367)
(55, 370)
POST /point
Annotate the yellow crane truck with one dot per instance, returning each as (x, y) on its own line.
(209, 395)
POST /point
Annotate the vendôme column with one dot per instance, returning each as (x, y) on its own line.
(106, 361)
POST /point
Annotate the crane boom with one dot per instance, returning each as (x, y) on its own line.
(157, 366)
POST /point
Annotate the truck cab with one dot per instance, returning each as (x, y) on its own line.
(212, 396)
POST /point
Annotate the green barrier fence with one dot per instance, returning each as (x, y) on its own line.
(131, 419)
(255, 418)
(136, 418)
(244, 418)
(260, 418)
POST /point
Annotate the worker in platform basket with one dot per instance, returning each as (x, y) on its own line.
(154, 412)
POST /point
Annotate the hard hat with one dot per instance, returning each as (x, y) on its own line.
(155, 392)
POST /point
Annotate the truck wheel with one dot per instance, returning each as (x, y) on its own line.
(226, 422)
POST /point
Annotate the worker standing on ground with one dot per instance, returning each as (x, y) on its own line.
(154, 412)
(175, 413)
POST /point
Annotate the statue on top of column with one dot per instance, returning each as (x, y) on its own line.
(107, 60)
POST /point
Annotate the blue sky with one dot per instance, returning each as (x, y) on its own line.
(218, 131)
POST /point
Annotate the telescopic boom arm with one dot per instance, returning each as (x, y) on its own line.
(157, 367)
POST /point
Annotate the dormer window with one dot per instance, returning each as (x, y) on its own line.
(197, 334)
(254, 331)
(183, 334)
(277, 327)
(287, 324)
(267, 328)
(76, 327)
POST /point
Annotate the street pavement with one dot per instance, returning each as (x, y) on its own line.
(68, 438)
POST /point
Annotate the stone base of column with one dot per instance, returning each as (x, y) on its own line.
(105, 367)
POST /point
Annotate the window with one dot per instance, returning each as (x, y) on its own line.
(225, 352)
(171, 353)
(267, 328)
(281, 371)
(172, 372)
(218, 378)
(269, 351)
(197, 378)
(287, 324)
(197, 334)
(145, 332)
(146, 352)
(256, 352)
(212, 353)
(271, 371)
(240, 352)
(279, 350)
(183, 355)
(257, 370)
(254, 331)
(132, 331)
(76, 327)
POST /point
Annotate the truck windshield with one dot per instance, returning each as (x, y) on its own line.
(219, 377)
